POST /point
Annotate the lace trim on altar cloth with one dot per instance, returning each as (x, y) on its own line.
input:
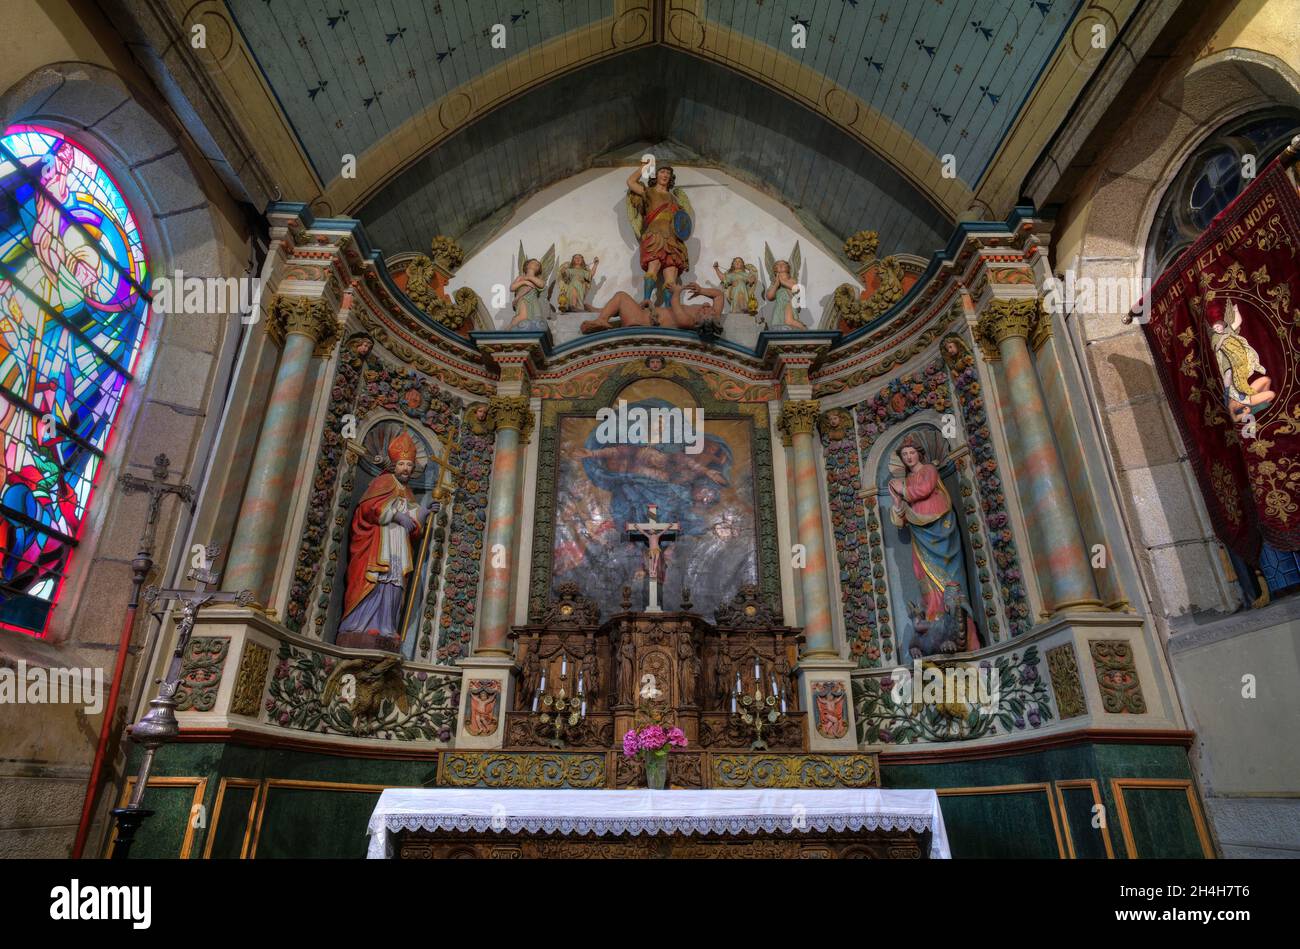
(732, 824)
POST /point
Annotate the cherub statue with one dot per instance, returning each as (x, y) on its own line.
(783, 285)
(575, 282)
(532, 311)
(738, 284)
(662, 219)
(1238, 361)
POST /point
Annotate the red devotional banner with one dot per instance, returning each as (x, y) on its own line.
(1224, 326)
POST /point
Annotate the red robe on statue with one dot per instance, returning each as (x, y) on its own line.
(365, 552)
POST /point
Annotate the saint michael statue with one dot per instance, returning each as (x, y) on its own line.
(380, 559)
(661, 217)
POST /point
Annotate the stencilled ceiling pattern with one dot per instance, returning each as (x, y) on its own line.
(952, 73)
(349, 72)
(647, 97)
(849, 128)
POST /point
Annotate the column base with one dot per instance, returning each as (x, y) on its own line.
(830, 723)
(487, 690)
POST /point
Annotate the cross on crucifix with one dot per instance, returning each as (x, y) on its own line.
(652, 529)
(204, 578)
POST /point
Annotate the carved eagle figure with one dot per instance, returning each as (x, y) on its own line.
(376, 680)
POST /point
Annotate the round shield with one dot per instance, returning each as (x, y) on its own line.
(682, 225)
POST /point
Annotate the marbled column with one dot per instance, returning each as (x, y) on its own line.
(798, 419)
(513, 420)
(1060, 555)
(306, 329)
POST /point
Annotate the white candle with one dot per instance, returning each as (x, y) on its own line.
(757, 674)
(737, 681)
(775, 690)
(733, 703)
(564, 666)
(535, 694)
(542, 687)
(782, 703)
(584, 708)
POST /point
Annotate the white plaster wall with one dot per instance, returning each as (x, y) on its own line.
(586, 215)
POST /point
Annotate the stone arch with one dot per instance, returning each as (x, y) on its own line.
(1165, 516)
(164, 410)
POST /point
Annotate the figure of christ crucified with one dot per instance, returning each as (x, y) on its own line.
(652, 529)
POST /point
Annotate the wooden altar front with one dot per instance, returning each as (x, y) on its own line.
(869, 845)
(675, 668)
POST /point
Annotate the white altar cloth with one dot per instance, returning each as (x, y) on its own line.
(716, 811)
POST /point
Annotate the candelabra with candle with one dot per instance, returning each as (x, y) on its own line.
(560, 711)
(756, 710)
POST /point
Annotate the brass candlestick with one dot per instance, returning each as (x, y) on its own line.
(758, 711)
(558, 711)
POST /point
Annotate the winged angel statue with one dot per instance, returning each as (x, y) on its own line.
(662, 219)
(783, 288)
(532, 291)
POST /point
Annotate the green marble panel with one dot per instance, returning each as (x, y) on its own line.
(161, 836)
(1000, 824)
(1089, 844)
(1162, 823)
(315, 823)
(228, 834)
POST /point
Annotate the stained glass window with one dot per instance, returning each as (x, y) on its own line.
(73, 307)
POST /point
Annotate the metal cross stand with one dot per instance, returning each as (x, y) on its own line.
(158, 725)
(157, 488)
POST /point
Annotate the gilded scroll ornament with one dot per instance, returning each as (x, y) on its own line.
(1064, 671)
(1121, 692)
(250, 680)
(469, 769)
(201, 669)
(794, 771)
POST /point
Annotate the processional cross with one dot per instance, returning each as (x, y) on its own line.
(158, 725)
(652, 529)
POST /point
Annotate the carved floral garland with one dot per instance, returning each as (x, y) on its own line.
(1023, 701)
(992, 498)
(465, 552)
(851, 528)
(300, 679)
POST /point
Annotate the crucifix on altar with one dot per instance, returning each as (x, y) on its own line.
(653, 530)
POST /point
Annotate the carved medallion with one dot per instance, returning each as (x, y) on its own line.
(1121, 692)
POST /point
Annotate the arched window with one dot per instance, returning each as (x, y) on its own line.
(74, 287)
(1206, 184)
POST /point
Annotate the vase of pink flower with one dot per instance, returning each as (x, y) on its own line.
(652, 742)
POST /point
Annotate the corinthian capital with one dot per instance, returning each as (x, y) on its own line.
(1007, 319)
(305, 316)
(512, 412)
(798, 417)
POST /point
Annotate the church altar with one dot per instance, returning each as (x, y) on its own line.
(777, 822)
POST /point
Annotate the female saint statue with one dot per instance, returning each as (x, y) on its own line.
(921, 502)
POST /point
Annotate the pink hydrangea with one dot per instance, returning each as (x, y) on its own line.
(653, 737)
(677, 738)
(630, 744)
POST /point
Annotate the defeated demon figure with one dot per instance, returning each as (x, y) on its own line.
(677, 315)
(946, 633)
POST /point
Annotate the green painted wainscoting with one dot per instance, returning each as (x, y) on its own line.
(1044, 804)
(265, 802)
(226, 800)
